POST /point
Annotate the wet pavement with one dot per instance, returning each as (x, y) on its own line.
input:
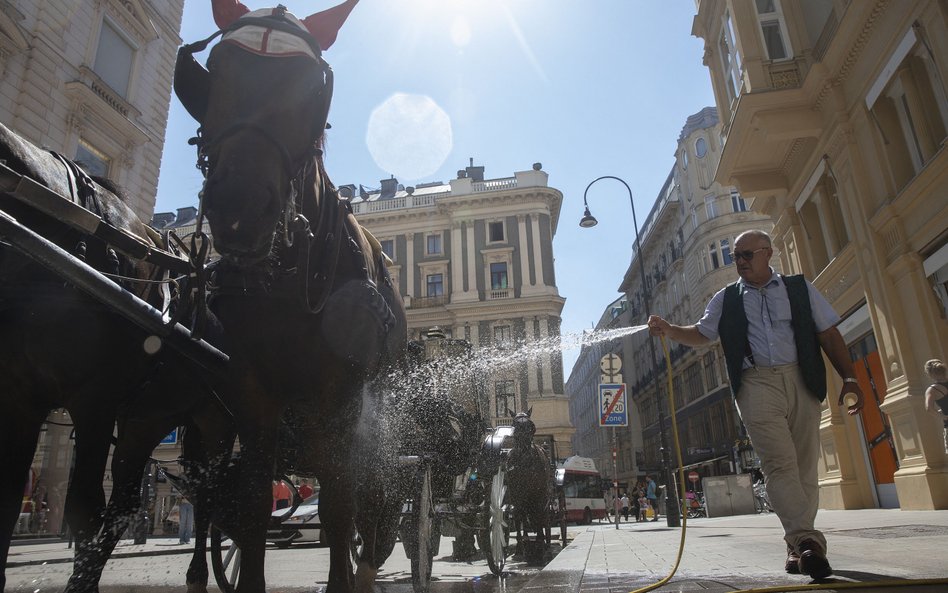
(871, 550)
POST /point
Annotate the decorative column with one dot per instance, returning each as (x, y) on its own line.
(525, 282)
(537, 253)
(547, 368)
(471, 261)
(410, 265)
(457, 282)
(531, 361)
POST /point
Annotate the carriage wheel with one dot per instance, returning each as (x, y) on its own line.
(496, 538)
(226, 564)
(422, 528)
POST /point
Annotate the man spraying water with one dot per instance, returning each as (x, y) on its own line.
(772, 328)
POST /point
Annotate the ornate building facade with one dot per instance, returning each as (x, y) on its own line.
(91, 79)
(474, 257)
(835, 119)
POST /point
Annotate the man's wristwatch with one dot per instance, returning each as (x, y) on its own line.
(850, 380)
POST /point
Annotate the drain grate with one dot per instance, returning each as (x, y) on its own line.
(894, 531)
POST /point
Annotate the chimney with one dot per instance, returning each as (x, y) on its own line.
(186, 214)
(389, 187)
(162, 219)
(475, 173)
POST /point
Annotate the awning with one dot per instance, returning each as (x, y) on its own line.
(705, 462)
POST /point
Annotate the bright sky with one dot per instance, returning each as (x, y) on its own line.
(587, 88)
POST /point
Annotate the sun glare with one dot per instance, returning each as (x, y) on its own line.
(409, 136)
(460, 31)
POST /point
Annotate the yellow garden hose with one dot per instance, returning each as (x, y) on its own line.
(684, 524)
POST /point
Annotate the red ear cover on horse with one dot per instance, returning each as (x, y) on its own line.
(323, 26)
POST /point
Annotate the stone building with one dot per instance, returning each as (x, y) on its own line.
(835, 119)
(90, 79)
(474, 257)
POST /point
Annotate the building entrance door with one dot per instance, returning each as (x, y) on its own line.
(876, 430)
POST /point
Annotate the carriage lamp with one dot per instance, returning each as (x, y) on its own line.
(672, 507)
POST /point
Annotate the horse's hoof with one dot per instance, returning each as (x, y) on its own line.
(365, 578)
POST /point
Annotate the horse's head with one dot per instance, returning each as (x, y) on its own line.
(262, 104)
(524, 428)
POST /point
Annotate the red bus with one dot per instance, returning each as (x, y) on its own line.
(582, 486)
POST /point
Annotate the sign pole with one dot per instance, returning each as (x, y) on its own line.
(613, 412)
(615, 475)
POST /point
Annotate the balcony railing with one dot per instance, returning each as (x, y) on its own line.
(495, 184)
(505, 293)
(396, 203)
(427, 302)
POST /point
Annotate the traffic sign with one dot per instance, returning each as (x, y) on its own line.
(604, 378)
(612, 405)
(611, 364)
(693, 476)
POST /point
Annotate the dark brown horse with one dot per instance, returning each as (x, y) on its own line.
(529, 479)
(306, 304)
(60, 348)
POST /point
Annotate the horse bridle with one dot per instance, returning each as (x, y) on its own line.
(189, 74)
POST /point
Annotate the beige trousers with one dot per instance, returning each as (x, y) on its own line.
(783, 421)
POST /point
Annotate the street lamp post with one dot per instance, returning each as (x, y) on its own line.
(671, 495)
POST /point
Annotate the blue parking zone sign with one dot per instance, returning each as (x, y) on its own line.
(613, 410)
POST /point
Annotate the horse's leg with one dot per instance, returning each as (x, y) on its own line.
(136, 440)
(255, 498)
(207, 446)
(336, 495)
(18, 437)
(196, 576)
(85, 497)
(379, 497)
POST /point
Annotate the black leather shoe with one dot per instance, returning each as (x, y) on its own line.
(813, 561)
(792, 566)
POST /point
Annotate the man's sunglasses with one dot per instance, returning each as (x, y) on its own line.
(746, 255)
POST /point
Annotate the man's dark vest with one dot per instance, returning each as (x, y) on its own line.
(733, 331)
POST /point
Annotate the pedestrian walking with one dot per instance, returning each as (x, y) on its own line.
(652, 496)
(185, 520)
(636, 494)
(624, 503)
(772, 328)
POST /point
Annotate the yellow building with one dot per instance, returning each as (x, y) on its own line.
(835, 118)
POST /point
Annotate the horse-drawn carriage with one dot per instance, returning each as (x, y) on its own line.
(481, 483)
